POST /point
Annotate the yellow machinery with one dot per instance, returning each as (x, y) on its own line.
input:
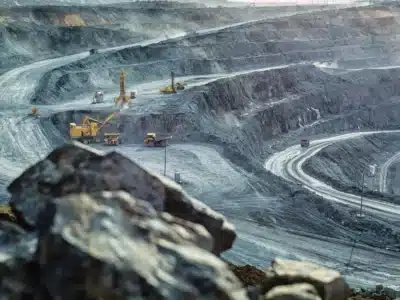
(123, 98)
(88, 130)
(153, 139)
(172, 89)
(112, 139)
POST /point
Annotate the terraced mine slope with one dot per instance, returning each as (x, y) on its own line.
(257, 81)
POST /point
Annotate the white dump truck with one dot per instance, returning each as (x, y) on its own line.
(98, 97)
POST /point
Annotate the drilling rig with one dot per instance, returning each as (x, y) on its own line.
(123, 98)
(172, 89)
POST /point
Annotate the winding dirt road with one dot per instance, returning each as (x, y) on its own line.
(288, 164)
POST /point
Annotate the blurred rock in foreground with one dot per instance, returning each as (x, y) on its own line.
(85, 225)
(74, 169)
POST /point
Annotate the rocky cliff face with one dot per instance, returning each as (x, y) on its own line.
(32, 33)
(256, 107)
(86, 225)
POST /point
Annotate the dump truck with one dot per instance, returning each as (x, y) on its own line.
(112, 139)
(98, 97)
(180, 86)
(304, 143)
(123, 97)
(89, 129)
(153, 139)
(93, 51)
(174, 87)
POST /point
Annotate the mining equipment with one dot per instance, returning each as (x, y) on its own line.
(34, 112)
(174, 87)
(93, 51)
(89, 129)
(123, 98)
(112, 139)
(304, 143)
(98, 97)
(153, 139)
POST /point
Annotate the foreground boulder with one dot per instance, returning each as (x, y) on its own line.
(110, 245)
(329, 284)
(289, 279)
(75, 168)
(141, 237)
(298, 291)
(15, 266)
(248, 275)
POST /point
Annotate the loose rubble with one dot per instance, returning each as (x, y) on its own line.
(87, 225)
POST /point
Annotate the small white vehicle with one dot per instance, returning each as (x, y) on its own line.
(98, 97)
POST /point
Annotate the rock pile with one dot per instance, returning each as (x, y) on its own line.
(380, 293)
(87, 225)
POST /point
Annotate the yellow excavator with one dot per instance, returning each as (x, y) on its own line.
(174, 87)
(123, 98)
(89, 129)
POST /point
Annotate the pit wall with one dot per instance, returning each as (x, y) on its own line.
(345, 37)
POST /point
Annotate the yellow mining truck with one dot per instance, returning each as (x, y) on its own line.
(153, 139)
(112, 139)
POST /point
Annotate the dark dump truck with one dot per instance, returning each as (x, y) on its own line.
(153, 139)
(304, 143)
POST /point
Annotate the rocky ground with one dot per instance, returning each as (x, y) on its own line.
(250, 276)
(118, 231)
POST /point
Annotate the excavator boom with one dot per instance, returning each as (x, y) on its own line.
(112, 115)
(87, 120)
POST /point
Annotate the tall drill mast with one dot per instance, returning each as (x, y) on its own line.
(122, 83)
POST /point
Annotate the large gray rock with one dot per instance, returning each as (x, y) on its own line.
(15, 267)
(75, 168)
(109, 245)
(298, 291)
(329, 284)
